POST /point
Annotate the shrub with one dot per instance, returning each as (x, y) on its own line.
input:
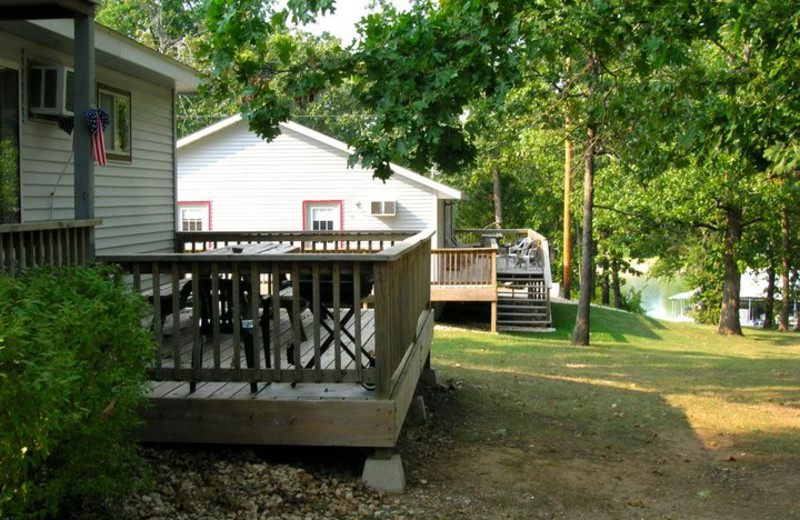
(73, 359)
(632, 301)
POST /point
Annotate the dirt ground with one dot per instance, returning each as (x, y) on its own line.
(499, 474)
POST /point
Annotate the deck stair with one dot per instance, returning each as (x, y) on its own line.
(523, 300)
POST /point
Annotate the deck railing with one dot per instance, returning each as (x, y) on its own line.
(506, 237)
(317, 241)
(471, 237)
(328, 272)
(464, 266)
(45, 243)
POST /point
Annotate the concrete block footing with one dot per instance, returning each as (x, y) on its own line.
(385, 475)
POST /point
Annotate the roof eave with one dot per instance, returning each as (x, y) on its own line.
(115, 51)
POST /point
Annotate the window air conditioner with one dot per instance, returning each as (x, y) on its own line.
(384, 208)
(51, 90)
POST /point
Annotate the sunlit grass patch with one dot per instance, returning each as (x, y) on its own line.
(641, 379)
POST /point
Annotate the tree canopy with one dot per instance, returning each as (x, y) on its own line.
(684, 114)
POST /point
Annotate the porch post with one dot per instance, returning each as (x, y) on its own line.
(84, 100)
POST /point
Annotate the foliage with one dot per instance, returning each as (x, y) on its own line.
(632, 301)
(73, 355)
(688, 112)
(174, 28)
(9, 181)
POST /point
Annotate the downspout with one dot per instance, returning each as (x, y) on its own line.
(175, 215)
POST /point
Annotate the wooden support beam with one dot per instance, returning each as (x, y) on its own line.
(84, 100)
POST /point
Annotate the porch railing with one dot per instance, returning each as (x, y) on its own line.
(318, 241)
(395, 265)
(45, 243)
(464, 266)
(506, 237)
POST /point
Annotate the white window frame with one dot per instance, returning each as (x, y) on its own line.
(199, 212)
(117, 136)
(314, 209)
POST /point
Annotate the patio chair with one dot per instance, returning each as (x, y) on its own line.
(526, 250)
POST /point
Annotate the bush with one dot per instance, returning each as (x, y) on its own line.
(632, 301)
(73, 359)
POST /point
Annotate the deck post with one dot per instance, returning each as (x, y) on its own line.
(84, 100)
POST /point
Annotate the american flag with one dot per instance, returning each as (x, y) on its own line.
(98, 144)
(97, 121)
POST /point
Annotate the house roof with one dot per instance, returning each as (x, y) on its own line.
(444, 191)
(684, 295)
(112, 50)
(752, 286)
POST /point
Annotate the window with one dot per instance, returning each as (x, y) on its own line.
(322, 215)
(194, 216)
(9, 146)
(118, 134)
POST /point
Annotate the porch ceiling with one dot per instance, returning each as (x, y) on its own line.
(42, 9)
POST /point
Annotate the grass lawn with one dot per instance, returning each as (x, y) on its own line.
(673, 419)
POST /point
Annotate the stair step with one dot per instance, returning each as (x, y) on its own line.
(522, 300)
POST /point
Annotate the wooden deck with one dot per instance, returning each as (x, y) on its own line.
(285, 413)
(516, 289)
(352, 376)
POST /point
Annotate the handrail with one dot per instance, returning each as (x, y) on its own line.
(45, 243)
(48, 225)
(307, 241)
(400, 276)
(464, 266)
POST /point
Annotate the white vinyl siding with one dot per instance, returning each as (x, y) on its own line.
(135, 197)
(255, 185)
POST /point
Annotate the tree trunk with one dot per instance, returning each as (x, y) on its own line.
(769, 300)
(616, 287)
(729, 315)
(580, 334)
(605, 282)
(497, 197)
(783, 320)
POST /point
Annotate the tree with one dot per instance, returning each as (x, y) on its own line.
(417, 72)
(174, 28)
(723, 123)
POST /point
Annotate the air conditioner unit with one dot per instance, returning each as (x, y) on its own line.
(383, 208)
(51, 90)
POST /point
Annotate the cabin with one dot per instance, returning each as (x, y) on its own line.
(753, 287)
(227, 179)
